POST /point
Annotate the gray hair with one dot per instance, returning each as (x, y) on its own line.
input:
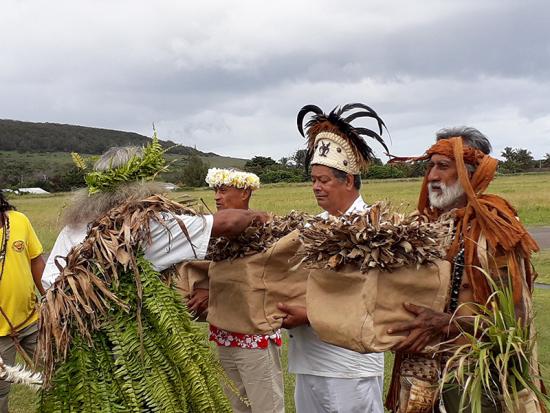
(117, 156)
(84, 208)
(342, 176)
(470, 136)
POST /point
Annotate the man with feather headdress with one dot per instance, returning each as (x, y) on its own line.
(331, 378)
(489, 241)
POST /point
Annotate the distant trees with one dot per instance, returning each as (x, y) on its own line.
(271, 171)
(379, 171)
(194, 172)
(299, 158)
(55, 172)
(516, 160)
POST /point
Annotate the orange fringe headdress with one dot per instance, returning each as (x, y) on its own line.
(484, 214)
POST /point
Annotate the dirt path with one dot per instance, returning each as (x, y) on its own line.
(541, 235)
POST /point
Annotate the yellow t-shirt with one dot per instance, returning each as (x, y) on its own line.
(17, 294)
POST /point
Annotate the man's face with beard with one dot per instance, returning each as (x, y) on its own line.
(444, 188)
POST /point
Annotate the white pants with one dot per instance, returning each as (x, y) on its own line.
(316, 394)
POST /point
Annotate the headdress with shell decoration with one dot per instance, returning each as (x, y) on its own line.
(334, 142)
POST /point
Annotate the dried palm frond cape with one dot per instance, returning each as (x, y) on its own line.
(379, 238)
(114, 335)
(256, 238)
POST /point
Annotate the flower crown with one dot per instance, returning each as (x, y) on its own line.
(139, 168)
(244, 180)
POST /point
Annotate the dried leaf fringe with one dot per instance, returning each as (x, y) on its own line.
(83, 293)
(256, 238)
(379, 238)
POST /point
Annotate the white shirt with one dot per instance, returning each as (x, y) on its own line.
(307, 354)
(168, 243)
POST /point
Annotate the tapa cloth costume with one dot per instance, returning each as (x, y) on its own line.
(488, 232)
(332, 141)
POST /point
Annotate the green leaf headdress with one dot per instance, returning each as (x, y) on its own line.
(139, 168)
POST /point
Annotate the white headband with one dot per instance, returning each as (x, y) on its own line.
(334, 151)
(229, 177)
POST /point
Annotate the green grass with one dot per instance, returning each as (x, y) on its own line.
(541, 261)
(23, 400)
(529, 193)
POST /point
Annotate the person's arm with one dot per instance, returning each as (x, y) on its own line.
(231, 222)
(428, 325)
(295, 315)
(37, 267)
(66, 239)
(198, 301)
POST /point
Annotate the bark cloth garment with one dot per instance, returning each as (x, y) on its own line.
(485, 217)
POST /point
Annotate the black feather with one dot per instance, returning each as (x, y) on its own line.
(374, 135)
(368, 109)
(303, 112)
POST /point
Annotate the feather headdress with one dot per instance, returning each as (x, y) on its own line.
(349, 152)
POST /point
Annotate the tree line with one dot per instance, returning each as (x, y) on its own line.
(190, 171)
(292, 168)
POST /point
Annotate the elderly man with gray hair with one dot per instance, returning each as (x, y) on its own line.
(470, 136)
(490, 250)
(119, 234)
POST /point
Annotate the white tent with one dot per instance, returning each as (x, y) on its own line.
(169, 186)
(37, 191)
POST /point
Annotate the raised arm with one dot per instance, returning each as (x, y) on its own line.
(231, 222)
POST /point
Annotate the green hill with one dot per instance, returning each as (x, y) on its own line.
(38, 154)
(54, 137)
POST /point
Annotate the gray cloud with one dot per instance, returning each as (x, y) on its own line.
(229, 77)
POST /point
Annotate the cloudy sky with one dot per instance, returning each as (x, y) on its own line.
(230, 76)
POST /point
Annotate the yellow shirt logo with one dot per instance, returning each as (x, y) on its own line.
(18, 246)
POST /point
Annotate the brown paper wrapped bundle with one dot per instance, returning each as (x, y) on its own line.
(252, 274)
(190, 275)
(364, 267)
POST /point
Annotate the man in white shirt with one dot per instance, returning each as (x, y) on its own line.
(332, 379)
(168, 246)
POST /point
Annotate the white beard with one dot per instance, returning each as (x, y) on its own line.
(448, 196)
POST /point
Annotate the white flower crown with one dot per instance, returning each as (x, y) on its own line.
(229, 177)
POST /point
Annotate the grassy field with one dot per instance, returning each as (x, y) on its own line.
(530, 194)
(541, 261)
(23, 400)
